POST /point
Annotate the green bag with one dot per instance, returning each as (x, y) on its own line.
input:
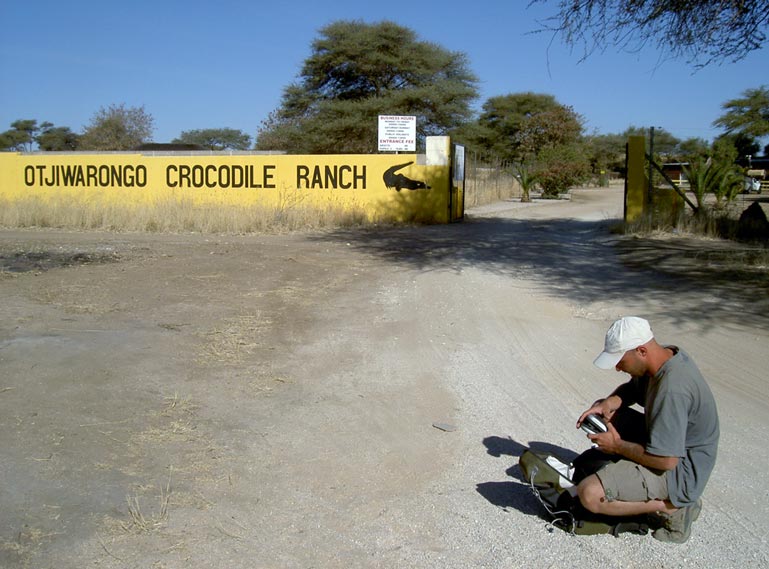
(550, 482)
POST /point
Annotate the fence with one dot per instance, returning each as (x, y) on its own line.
(488, 179)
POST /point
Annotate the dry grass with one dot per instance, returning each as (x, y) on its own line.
(138, 522)
(290, 212)
(488, 185)
(233, 339)
(173, 216)
(654, 225)
(718, 224)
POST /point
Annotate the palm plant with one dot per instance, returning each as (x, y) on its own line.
(729, 187)
(710, 177)
(526, 178)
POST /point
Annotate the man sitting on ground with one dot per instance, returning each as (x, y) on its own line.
(666, 473)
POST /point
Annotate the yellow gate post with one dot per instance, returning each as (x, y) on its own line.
(636, 183)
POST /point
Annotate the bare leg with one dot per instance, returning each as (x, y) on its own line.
(593, 498)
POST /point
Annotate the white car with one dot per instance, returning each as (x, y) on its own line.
(752, 186)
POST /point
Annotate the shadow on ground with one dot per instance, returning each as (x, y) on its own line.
(583, 262)
(516, 495)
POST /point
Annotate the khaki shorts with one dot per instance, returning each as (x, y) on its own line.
(627, 481)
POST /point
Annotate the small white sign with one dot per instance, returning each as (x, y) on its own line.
(397, 133)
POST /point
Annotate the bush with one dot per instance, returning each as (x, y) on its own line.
(561, 168)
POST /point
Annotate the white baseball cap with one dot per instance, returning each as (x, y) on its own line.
(625, 334)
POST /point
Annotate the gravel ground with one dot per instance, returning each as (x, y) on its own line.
(271, 401)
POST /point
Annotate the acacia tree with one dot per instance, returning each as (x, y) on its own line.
(216, 138)
(606, 152)
(665, 143)
(25, 132)
(517, 125)
(57, 138)
(704, 32)
(693, 149)
(357, 71)
(521, 127)
(20, 136)
(747, 115)
(118, 127)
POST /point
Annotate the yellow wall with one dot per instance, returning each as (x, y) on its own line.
(339, 181)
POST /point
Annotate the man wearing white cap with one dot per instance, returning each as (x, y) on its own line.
(667, 474)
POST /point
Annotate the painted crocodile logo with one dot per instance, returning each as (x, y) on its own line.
(400, 182)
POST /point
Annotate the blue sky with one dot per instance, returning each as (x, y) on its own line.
(196, 64)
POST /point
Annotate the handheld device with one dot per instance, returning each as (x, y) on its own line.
(593, 424)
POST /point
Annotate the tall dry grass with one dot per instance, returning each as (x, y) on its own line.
(173, 216)
(487, 184)
(182, 215)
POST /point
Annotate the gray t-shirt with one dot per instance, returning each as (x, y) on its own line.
(682, 421)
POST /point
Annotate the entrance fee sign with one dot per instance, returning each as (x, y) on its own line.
(397, 133)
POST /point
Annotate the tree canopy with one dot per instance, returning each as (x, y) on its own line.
(20, 136)
(215, 138)
(665, 144)
(542, 137)
(117, 127)
(57, 138)
(24, 132)
(747, 115)
(357, 71)
(518, 125)
(703, 32)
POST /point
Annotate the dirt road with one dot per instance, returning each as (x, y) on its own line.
(175, 401)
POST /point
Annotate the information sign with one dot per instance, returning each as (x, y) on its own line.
(397, 133)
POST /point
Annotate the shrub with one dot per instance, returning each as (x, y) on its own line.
(561, 168)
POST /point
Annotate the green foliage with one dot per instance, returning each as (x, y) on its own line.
(665, 144)
(517, 126)
(745, 145)
(20, 136)
(723, 150)
(729, 187)
(358, 71)
(117, 127)
(693, 149)
(14, 140)
(216, 138)
(25, 132)
(541, 136)
(731, 147)
(712, 177)
(748, 115)
(561, 167)
(551, 128)
(57, 138)
(605, 152)
(526, 178)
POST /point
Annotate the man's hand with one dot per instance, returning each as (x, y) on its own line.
(609, 442)
(603, 407)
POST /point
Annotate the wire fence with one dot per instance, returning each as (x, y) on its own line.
(488, 179)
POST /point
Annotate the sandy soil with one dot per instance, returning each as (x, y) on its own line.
(173, 401)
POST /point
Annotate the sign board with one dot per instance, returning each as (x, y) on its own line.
(397, 133)
(367, 187)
